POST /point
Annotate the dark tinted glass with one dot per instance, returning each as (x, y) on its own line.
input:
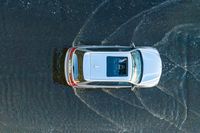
(78, 65)
(117, 66)
(136, 67)
(75, 67)
(104, 49)
(103, 83)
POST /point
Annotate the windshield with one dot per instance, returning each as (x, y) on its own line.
(136, 66)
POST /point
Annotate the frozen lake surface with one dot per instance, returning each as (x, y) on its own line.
(33, 97)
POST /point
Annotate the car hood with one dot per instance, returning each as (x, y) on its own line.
(152, 66)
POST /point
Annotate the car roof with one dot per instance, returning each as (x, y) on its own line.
(95, 66)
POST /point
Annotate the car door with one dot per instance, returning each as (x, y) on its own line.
(106, 84)
(107, 48)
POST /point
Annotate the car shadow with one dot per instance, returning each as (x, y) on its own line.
(58, 58)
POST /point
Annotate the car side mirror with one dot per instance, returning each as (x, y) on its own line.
(132, 45)
(133, 88)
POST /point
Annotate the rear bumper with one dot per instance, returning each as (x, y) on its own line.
(68, 67)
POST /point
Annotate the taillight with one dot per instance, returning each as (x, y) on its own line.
(70, 79)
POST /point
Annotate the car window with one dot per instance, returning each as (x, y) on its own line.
(137, 66)
(75, 67)
(78, 65)
(100, 83)
(109, 49)
(117, 66)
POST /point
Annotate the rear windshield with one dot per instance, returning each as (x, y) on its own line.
(75, 67)
(78, 66)
(117, 66)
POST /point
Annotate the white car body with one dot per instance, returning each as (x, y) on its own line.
(152, 67)
(94, 66)
(88, 67)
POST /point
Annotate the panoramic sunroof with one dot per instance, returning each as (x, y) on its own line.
(117, 66)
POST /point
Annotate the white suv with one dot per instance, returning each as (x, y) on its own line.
(112, 67)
